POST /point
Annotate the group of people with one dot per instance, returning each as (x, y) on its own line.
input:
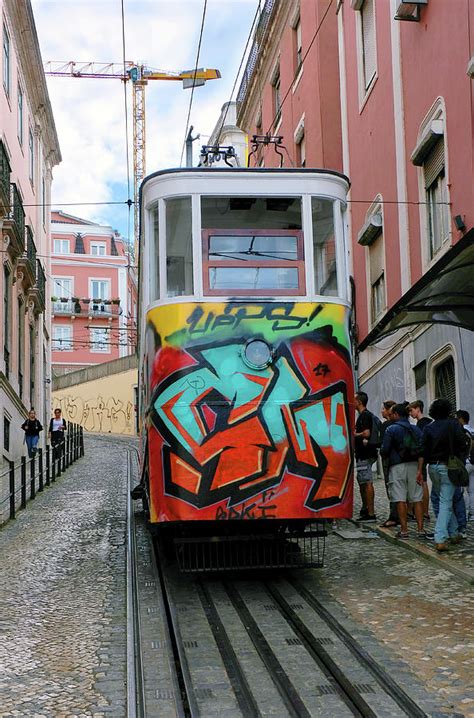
(32, 428)
(410, 452)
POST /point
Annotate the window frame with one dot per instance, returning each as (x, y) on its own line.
(20, 114)
(68, 329)
(66, 241)
(299, 264)
(98, 245)
(31, 155)
(104, 280)
(6, 60)
(94, 344)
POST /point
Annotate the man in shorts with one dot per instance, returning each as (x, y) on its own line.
(404, 484)
(365, 455)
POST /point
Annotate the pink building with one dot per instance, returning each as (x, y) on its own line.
(382, 90)
(93, 294)
(291, 85)
(29, 150)
(407, 118)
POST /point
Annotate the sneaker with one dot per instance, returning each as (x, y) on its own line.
(463, 534)
(440, 547)
(368, 519)
(428, 535)
(363, 514)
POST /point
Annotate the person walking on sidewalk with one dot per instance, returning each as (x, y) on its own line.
(57, 429)
(32, 427)
(463, 418)
(365, 455)
(401, 446)
(440, 439)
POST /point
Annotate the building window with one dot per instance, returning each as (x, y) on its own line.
(276, 85)
(31, 155)
(62, 338)
(61, 246)
(369, 50)
(6, 433)
(324, 247)
(100, 340)
(21, 345)
(99, 289)
(377, 278)
(62, 290)
(6, 60)
(6, 318)
(298, 45)
(179, 256)
(98, 249)
(20, 117)
(445, 381)
(436, 198)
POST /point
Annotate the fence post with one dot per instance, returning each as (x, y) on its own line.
(57, 453)
(48, 466)
(23, 482)
(32, 478)
(12, 488)
(53, 464)
(81, 441)
(62, 456)
(40, 470)
(69, 448)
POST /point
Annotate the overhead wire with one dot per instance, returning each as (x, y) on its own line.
(194, 80)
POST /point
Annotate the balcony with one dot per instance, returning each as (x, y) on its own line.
(69, 306)
(64, 307)
(38, 290)
(14, 223)
(27, 262)
(5, 171)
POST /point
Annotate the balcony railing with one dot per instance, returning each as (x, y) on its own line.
(15, 221)
(257, 44)
(88, 307)
(28, 260)
(64, 307)
(5, 171)
(38, 290)
(6, 359)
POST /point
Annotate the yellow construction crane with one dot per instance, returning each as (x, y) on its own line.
(138, 75)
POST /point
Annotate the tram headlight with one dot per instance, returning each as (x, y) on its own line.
(257, 354)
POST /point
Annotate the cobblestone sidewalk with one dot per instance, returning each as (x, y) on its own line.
(459, 559)
(62, 594)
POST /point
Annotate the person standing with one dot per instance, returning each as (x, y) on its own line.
(440, 439)
(463, 418)
(386, 412)
(415, 409)
(365, 455)
(57, 429)
(32, 427)
(401, 446)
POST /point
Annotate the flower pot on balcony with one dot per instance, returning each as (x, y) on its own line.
(115, 301)
(77, 308)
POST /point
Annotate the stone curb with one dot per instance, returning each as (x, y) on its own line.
(440, 560)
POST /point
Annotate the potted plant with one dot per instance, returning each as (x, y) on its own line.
(87, 300)
(116, 301)
(54, 299)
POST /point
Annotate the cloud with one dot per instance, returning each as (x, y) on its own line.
(89, 113)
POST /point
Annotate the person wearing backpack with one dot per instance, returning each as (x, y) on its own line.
(401, 446)
(463, 418)
(367, 442)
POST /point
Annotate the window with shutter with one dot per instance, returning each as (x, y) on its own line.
(369, 51)
(377, 277)
(436, 198)
(445, 381)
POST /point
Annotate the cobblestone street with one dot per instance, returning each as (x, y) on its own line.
(63, 605)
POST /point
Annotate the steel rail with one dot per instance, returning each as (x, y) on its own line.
(136, 706)
(282, 682)
(383, 678)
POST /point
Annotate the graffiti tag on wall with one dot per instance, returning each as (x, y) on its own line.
(101, 414)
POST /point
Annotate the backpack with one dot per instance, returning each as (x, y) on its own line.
(375, 438)
(410, 448)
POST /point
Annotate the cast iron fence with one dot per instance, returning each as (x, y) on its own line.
(28, 477)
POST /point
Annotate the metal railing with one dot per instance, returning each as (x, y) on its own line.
(5, 172)
(257, 45)
(16, 216)
(30, 253)
(28, 477)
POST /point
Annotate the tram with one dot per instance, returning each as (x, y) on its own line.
(246, 374)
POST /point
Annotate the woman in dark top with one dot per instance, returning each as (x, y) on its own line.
(32, 427)
(438, 437)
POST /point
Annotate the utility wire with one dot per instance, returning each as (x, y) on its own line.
(256, 16)
(194, 80)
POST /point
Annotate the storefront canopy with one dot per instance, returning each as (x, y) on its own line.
(444, 295)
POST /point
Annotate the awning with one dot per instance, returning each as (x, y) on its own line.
(444, 295)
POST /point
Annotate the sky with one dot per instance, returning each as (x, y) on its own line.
(89, 113)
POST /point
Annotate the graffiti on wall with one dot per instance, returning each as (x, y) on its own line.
(101, 414)
(231, 440)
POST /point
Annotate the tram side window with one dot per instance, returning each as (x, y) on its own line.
(252, 245)
(324, 247)
(155, 260)
(179, 247)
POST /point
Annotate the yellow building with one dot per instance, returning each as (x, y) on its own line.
(101, 398)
